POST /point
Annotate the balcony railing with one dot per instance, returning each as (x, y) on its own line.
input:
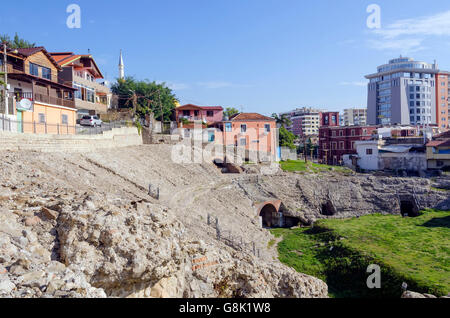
(13, 68)
(45, 99)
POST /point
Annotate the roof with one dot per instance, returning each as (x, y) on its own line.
(24, 76)
(439, 143)
(191, 106)
(66, 58)
(33, 50)
(395, 149)
(250, 117)
(444, 135)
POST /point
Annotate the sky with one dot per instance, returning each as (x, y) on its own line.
(265, 56)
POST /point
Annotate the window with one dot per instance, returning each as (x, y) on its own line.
(228, 127)
(34, 69)
(64, 119)
(186, 113)
(369, 152)
(46, 73)
(341, 145)
(243, 128)
(243, 142)
(267, 127)
(41, 118)
(209, 113)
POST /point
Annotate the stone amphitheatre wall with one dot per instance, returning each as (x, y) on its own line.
(116, 138)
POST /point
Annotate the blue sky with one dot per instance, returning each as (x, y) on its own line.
(256, 55)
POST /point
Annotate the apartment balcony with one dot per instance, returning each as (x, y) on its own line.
(13, 68)
(46, 99)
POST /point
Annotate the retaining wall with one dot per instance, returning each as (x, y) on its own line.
(115, 138)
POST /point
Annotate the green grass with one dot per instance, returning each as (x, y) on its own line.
(414, 250)
(271, 243)
(302, 166)
(440, 189)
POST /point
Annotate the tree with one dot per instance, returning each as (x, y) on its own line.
(282, 121)
(148, 97)
(230, 111)
(286, 138)
(17, 42)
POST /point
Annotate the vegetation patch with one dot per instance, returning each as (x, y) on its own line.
(411, 250)
(302, 166)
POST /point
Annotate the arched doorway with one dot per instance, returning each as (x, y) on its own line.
(269, 215)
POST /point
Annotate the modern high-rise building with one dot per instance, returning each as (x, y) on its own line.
(408, 92)
(305, 121)
(354, 117)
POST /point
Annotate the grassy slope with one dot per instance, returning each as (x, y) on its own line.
(296, 165)
(415, 250)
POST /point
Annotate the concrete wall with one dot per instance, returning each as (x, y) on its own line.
(118, 137)
(403, 161)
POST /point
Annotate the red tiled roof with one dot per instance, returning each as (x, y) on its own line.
(65, 58)
(250, 117)
(444, 135)
(439, 143)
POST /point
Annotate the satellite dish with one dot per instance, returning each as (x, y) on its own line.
(26, 104)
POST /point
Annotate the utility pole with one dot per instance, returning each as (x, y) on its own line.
(161, 108)
(6, 78)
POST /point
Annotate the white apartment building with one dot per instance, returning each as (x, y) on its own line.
(354, 117)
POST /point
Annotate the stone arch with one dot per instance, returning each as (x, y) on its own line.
(269, 212)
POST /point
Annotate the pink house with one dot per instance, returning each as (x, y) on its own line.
(207, 114)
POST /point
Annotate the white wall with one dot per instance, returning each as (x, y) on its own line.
(365, 161)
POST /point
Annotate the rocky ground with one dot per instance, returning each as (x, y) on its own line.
(84, 225)
(76, 225)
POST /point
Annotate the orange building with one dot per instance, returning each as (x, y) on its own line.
(42, 104)
(442, 100)
(252, 131)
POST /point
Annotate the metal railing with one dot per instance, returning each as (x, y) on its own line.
(231, 239)
(36, 127)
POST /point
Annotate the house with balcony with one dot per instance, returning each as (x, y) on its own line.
(438, 152)
(40, 103)
(81, 72)
(207, 114)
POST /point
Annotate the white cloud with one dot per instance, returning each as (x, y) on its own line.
(438, 24)
(353, 83)
(408, 35)
(214, 85)
(178, 86)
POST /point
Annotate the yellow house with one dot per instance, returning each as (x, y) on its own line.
(43, 105)
(438, 152)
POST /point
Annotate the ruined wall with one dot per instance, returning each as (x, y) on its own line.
(117, 137)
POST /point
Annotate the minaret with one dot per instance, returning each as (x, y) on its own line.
(121, 67)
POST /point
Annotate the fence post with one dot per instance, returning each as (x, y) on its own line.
(45, 125)
(217, 229)
(57, 125)
(34, 126)
(157, 194)
(209, 219)
(150, 189)
(254, 248)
